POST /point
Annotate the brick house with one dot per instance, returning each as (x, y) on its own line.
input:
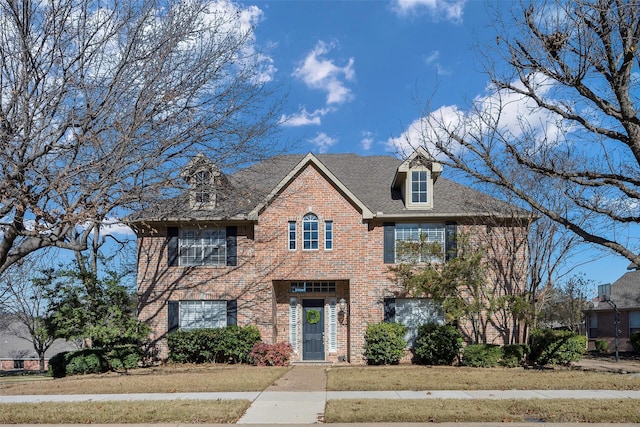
(622, 296)
(301, 245)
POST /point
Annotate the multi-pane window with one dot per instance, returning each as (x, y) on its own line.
(203, 314)
(292, 235)
(419, 187)
(328, 235)
(420, 242)
(412, 313)
(592, 323)
(310, 232)
(207, 246)
(313, 287)
(202, 184)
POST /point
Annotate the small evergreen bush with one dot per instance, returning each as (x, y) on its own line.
(553, 347)
(263, 354)
(634, 339)
(384, 343)
(602, 346)
(86, 361)
(437, 344)
(231, 344)
(514, 354)
(482, 355)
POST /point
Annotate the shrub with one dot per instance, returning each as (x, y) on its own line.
(384, 343)
(482, 355)
(634, 339)
(438, 344)
(124, 357)
(514, 354)
(553, 347)
(86, 361)
(271, 354)
(602, 346)
(231, 344)
(57, 365)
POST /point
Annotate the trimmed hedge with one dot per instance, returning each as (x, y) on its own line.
(514, 355)
(551, 347)
(231, 344)
(94, 361)
(482, 355)
(384, 343)
(437, 344)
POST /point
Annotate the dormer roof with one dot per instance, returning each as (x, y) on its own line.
(420, 157)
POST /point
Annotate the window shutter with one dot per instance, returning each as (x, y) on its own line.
(232, 247)
(232, 312)
(389, 310)
(293, 324)
(172, 246)
(333, 325)
(451, 246)
(389, 243)
(173, 308)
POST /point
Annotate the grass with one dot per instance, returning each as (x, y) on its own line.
(175, 411)
(446, 410)
(372, 378)
(191, 378)
(169, 379)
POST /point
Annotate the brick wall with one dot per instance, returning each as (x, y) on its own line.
(266, 266)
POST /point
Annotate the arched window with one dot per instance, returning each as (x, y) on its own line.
(310, 232)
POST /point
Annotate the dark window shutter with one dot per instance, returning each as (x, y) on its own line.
(173, 315)
(451, 230)
(232, 246)
(389, 243)
(389, 310)
(172, 246)
(232, 312)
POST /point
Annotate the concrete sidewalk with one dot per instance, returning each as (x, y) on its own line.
(300, 396)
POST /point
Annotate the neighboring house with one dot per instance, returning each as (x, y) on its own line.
(17, 353)
(301, 245)
(622, 296)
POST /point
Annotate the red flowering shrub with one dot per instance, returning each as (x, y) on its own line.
(271, 354)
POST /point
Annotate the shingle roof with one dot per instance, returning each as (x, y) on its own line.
(369, 178)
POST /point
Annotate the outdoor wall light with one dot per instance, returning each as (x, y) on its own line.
(343, 305)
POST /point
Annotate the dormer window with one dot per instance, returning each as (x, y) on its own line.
(206, 183)
(414, 180)
(202, 187)
(419, 181)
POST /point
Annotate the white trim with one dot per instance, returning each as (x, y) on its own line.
(333, 326)
(293, 324)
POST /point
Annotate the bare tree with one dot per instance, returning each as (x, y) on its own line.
(562, 112)
(102, 103)
(25, 306)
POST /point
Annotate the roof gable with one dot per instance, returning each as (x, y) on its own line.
(308, 160)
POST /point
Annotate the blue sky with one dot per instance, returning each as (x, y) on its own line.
(358, 74)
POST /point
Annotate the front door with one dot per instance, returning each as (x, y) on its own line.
(313, 329)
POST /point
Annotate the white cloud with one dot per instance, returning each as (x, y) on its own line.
(367, 140)
(304, 118)
(323, 142)
(433, 56)
(450, 10)
(511, 113)
(318, 72)
(432, 59)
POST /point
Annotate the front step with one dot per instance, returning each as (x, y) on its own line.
(312, 363)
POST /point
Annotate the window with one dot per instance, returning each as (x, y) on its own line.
(592, 322)
(412, 312)
(203, 314)
(634, 322)
(310, 232)
(419, 187)
(328, 235)
(322, 287)
(420, 242)
(18, 364)
(292, 235)
(207, 246)
(202, 187)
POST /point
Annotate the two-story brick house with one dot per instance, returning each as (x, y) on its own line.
(301, 245)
